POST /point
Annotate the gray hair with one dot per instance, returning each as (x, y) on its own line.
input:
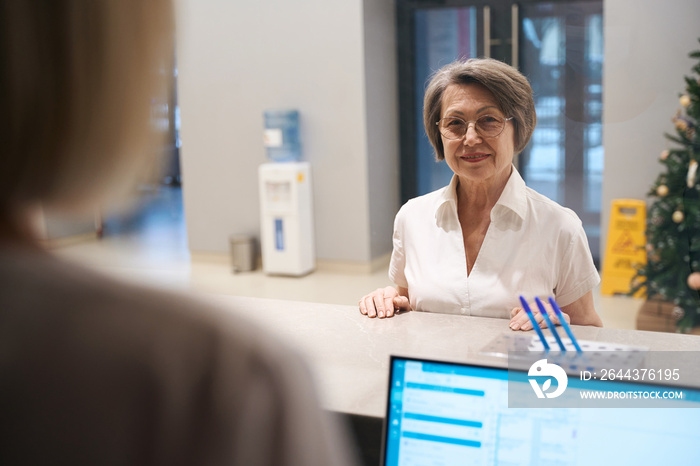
(509, 87)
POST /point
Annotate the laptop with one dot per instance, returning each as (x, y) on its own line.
(446, 413)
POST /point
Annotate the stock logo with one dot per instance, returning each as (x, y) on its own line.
(542, 368)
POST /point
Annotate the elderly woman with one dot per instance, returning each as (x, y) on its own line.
(473, 247)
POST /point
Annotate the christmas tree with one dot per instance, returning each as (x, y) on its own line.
(672, 271)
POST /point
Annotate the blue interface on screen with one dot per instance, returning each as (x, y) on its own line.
(454, 414)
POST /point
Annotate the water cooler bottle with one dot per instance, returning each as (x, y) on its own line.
(286, 230)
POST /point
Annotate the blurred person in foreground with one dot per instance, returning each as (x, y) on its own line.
(92, 370)
(474, 246)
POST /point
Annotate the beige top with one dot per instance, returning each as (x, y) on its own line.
(95, 371)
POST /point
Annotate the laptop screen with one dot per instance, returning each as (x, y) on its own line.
(441, 413)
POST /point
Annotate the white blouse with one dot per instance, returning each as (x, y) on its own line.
(533, 247)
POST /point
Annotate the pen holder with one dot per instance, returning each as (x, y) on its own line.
(522, 350)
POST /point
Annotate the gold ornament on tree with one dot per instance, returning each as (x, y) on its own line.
(685, 100)
(664, 154)
(662, 190)
(683, 123)
(652, 255)
(694, 281)
(678, 313)
(678, 216)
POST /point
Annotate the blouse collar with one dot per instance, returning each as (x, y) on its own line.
(513, 199)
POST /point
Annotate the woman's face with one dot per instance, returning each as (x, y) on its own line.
(473, 158)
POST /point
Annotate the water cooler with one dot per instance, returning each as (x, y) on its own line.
(286, 230)
(286, 216)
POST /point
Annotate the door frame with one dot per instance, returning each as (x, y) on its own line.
(409, 130)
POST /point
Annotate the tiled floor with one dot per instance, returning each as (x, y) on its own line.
(150, 246)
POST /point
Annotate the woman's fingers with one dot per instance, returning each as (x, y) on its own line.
(528, 325)
(388, 306)
(367, 306)
(520, 321)
(380, 303)
(384, 300)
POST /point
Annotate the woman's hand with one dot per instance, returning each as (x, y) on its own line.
(580, 312)
(382, 302)
(520, 321)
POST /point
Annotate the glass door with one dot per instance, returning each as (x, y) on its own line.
(562, 55)
(558, 45)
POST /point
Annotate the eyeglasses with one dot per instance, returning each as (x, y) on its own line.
(488, 126)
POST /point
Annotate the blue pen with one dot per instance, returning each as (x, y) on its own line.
(563, 323)
(546, 318)
(535, 325)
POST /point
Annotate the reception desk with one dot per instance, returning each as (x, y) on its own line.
(349, 353)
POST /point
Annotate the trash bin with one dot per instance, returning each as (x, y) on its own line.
(242, 253)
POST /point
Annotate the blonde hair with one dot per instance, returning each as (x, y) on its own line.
(77, 79)
(509, 87)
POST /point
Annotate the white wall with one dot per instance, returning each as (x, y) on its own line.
(335, 62)
(235, 60)
(646, 57)
(381, 85)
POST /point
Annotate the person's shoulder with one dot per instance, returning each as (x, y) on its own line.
(191, 354)
(549, 210)
(121, 314)
(425, 204)
(133, 327)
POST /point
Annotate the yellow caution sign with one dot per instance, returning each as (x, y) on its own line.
(624, 250)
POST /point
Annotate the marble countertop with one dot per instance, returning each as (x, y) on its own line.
(349, 353)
